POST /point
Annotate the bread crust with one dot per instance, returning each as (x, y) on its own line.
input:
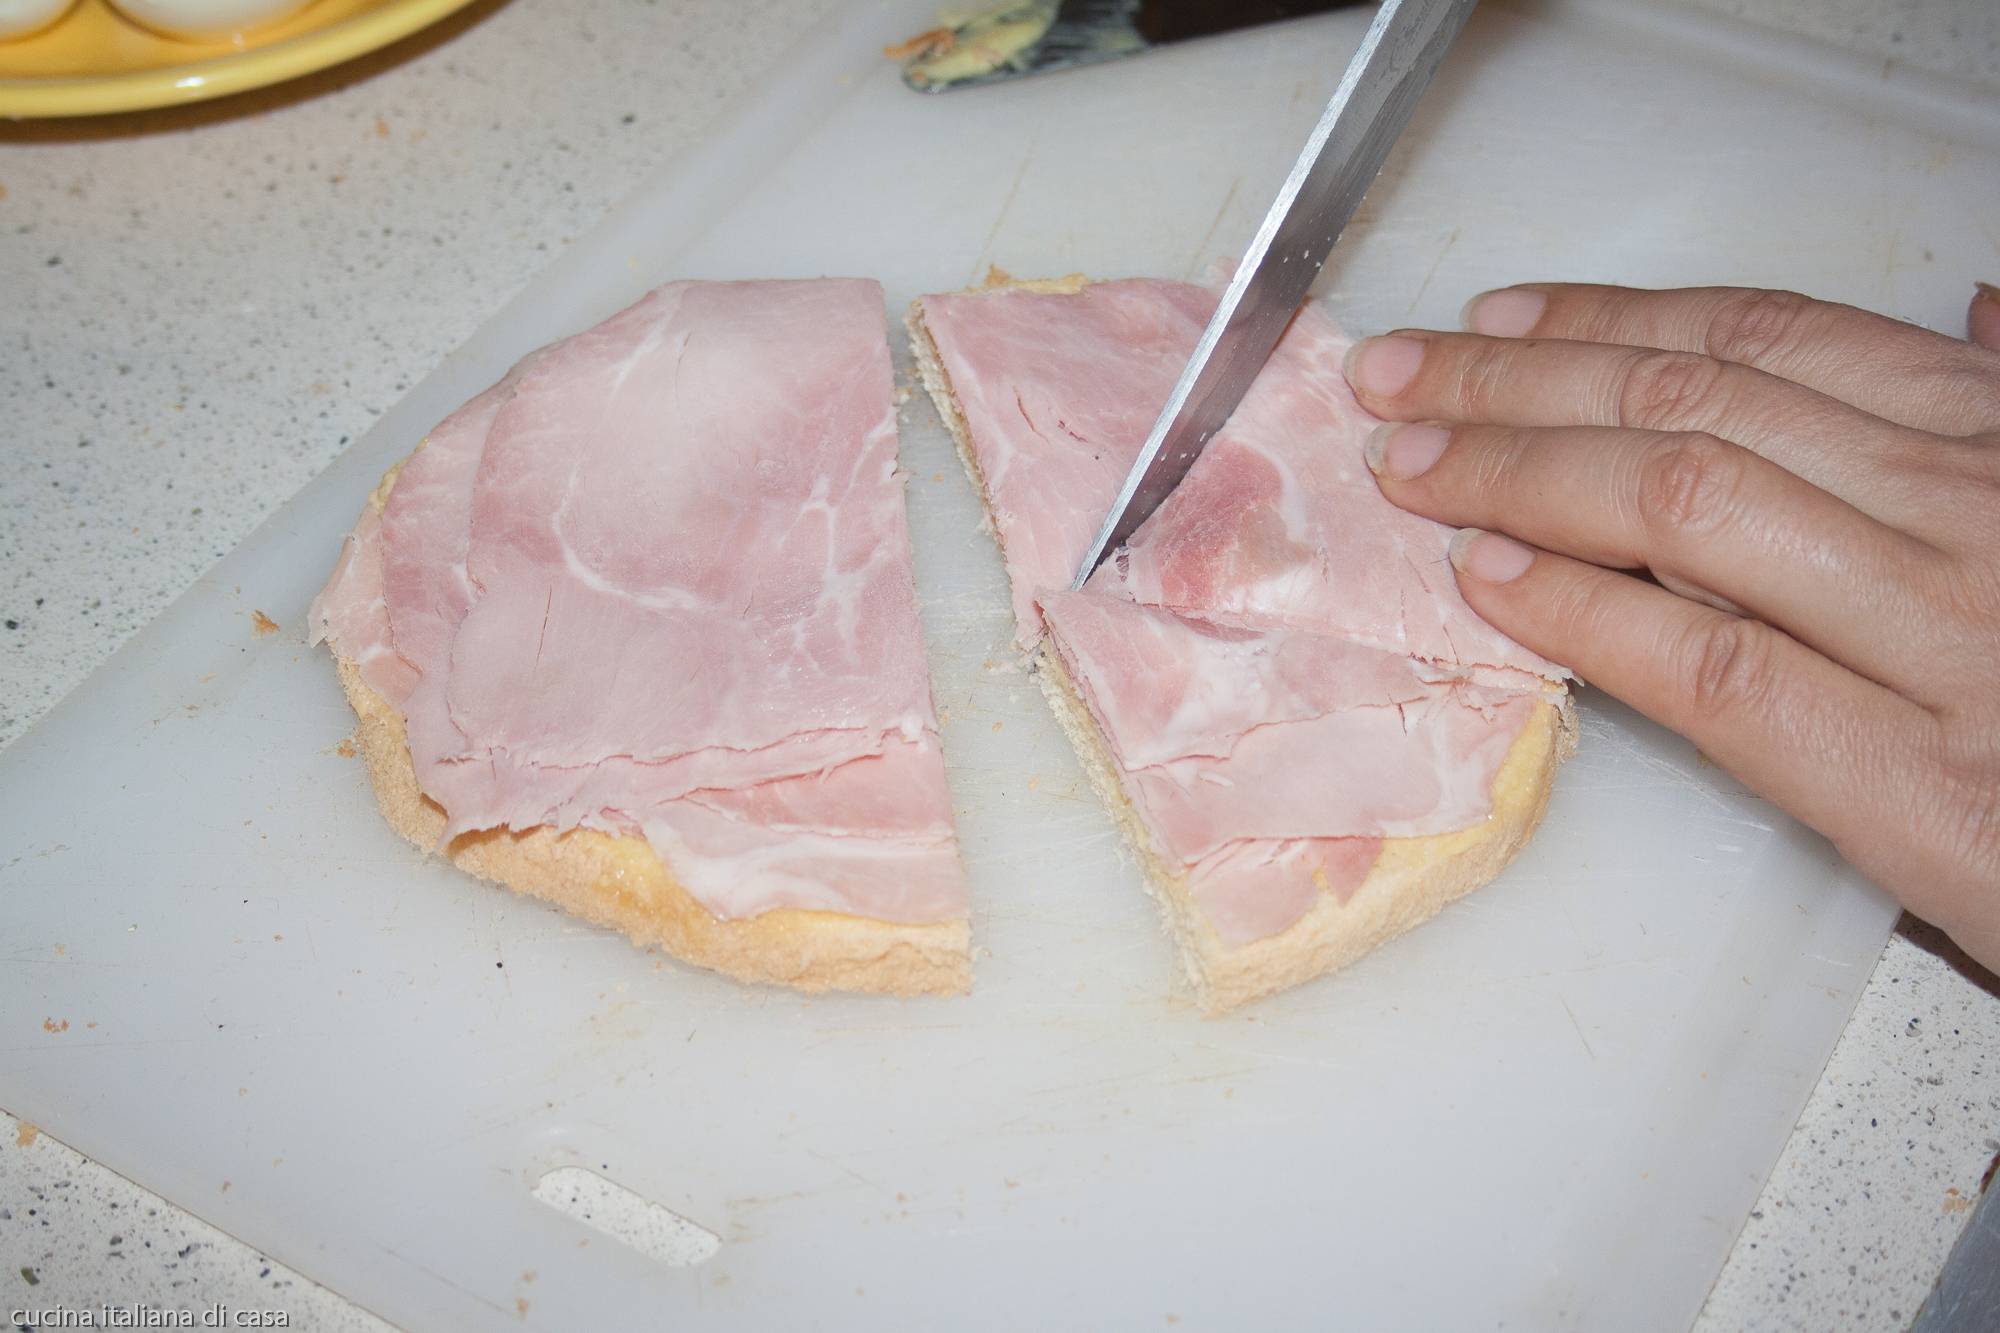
(622, 883)
(1412, 878)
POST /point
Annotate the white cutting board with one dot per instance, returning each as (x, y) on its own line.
(1549, 1109)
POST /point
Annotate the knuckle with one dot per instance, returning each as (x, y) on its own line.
(1970, 392)
(1728, 664)
(1751, 326)
(1497, 460)
(1482, 376)
(1580, 610)
(1668, 390)
(1970, 778)
(1967, 593)
(1689, 485)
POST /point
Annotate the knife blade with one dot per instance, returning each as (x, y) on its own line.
(1345, 151)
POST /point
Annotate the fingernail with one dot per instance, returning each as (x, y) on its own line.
(1489, 557)
(1987, 290)
(1507, 313)
(1402, 452)
(1383, 367)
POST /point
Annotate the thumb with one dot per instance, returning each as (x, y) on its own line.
(1982, 319)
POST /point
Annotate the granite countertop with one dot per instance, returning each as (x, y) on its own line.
(201, 307)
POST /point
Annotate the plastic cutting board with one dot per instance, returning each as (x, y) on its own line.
(1551, 1108)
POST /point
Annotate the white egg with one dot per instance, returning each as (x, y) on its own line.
(207, 18)
(18, 18)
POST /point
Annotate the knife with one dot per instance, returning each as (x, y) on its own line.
(1389, 72)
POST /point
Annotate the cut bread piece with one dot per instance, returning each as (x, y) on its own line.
(1302, 772)
(621, 882)
(635, 632)
(1409, 881)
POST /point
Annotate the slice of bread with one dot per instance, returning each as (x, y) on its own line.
(1412, 878)
(620, 882)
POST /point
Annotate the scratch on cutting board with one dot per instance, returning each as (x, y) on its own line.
(1198, 260)
(428, 1271)
(1006, 206)
(1579, 1029)
(840, 1165)
(1425, 285)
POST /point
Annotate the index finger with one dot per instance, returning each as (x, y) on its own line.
(1894, 370)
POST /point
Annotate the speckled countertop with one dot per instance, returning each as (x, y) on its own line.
(199, 308)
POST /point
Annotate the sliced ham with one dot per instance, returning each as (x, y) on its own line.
(352, 614)
(1278, 523)
(1280, 664)
(1059, 391)
(1228, 735)
(1268, 764)
(657, 582)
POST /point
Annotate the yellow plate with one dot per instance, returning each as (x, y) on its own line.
(94, 61)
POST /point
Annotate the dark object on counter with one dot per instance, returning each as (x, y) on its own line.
(1967, 1296)
(1035, 36)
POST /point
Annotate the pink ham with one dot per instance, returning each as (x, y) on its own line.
(657, 582)
(1278, 523)
(1059, 391)
(352, 614)
(1280, 662)
(1259, 758)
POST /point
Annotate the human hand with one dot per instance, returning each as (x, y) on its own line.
(1816, 491)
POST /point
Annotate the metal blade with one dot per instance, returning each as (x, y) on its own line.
(1347, 148)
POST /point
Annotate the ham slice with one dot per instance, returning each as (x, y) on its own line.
(657, 582)
(1278, 523)
(352, 613)
(1279, 664)
(1228, 734)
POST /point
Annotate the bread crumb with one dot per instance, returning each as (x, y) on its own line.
(997, 276)
(26, 1135)
(346, 748)
(998, 725)
(55, 1025)
(381, 128)
(521, 1305)
(262, 623)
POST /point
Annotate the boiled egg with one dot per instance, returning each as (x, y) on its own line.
(208, 20)
(19, 18)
